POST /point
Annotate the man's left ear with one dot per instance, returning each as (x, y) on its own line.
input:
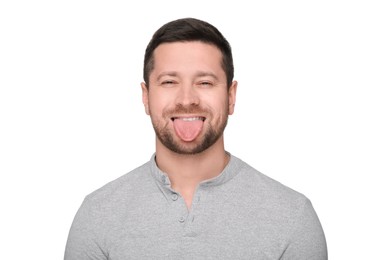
(232, 96)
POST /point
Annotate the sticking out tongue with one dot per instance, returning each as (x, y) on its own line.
(187, 129)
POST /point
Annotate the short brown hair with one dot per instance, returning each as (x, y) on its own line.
(189, 29)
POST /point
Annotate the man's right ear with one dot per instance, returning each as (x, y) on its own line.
(145, 97)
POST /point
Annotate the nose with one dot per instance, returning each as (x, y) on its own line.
(187, 95)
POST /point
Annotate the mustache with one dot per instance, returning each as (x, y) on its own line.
(190, 109)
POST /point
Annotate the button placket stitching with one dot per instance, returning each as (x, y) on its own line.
(189, 227)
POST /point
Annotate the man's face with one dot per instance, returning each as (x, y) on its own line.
(188, 99)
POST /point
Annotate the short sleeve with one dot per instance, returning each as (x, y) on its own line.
(307, 241)
(84, 240)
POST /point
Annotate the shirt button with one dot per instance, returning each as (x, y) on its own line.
(181, 219)
(174, 196)
(164, 179)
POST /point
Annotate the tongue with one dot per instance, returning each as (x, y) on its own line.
(187, 130)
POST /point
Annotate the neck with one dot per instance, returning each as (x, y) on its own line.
(187, 171)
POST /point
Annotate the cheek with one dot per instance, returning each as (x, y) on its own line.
(220, 102)
(157, 103)
(219, 109)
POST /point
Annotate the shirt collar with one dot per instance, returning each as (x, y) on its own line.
(229, 172)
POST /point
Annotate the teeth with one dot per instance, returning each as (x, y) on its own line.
(190, 118)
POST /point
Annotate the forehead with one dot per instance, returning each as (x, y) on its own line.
(187, 56)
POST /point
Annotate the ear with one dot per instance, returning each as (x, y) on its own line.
(232, 96)
(145, 97)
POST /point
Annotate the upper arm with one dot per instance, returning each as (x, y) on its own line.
(85, 236)
(307, 240)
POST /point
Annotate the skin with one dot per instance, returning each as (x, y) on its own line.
(188, 81)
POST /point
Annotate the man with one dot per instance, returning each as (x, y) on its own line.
(193, 200)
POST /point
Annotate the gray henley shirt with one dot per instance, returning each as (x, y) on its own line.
(240, 214)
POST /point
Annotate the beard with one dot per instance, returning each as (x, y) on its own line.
(212, 133)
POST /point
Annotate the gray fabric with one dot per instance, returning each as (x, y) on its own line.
(240, 214)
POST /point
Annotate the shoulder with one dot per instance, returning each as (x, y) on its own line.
(126, 186)
(267, 191)
(280, 209)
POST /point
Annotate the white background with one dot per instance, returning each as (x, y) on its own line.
(312, 109)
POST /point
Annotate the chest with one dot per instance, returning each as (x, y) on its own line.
(217, 230)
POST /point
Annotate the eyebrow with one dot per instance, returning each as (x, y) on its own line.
(206, 74)
(167, 73)
(197, 74)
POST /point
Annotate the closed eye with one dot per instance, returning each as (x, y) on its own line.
(205, 83)
(167, 82)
